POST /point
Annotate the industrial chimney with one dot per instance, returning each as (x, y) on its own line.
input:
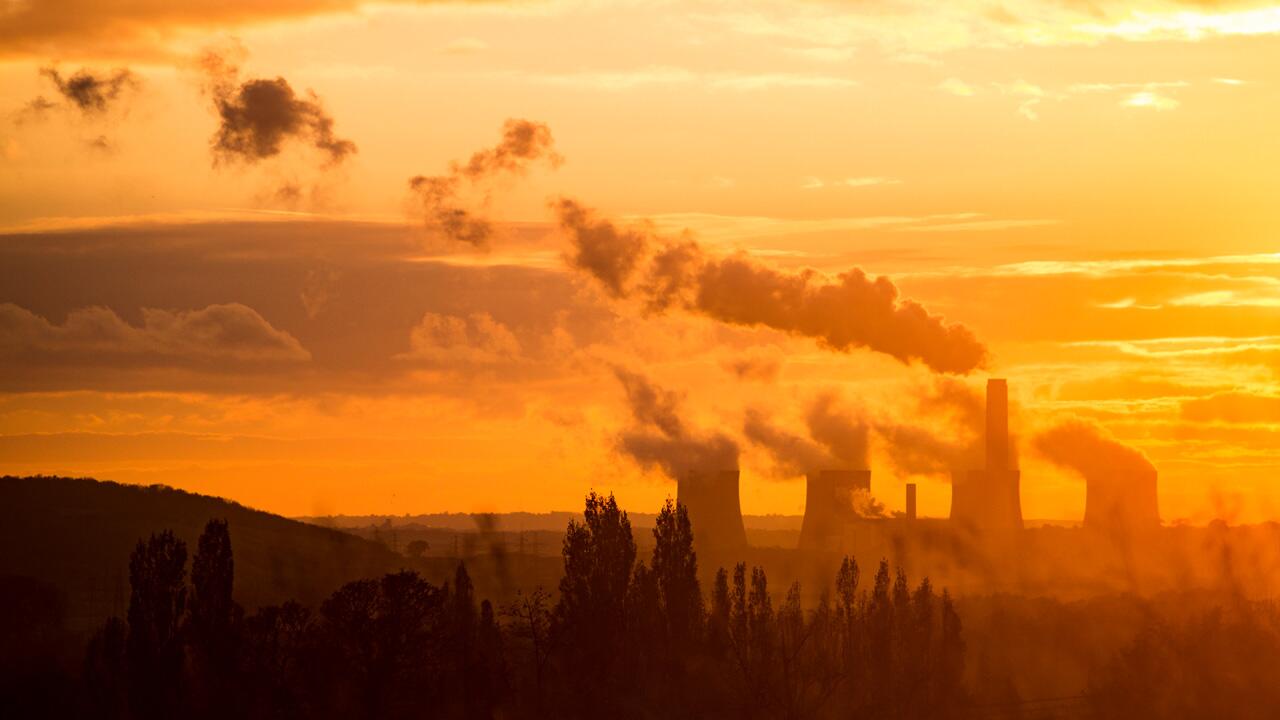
(990, 498)
(911, 501)
(715, 511)
(828, 506)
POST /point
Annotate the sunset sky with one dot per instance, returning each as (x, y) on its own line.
(1083, 192)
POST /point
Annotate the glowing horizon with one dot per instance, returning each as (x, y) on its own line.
(277, 314)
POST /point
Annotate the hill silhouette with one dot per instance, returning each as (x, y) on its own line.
(75, 535)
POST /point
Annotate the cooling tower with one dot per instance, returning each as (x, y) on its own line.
(828, 505)
(990, 498)
(1121, 501)
(714, 509)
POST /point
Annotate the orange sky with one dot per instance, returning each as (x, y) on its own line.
(1087, 187)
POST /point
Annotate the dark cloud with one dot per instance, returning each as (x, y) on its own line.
(474, 339)
(523, 143)
(353, 294)
(258, 116)
(139, 27)
(91, 92)
(758, 365)
(100, 144)
(36, 109)
(227, 333)
(842, 313)
(660, 438)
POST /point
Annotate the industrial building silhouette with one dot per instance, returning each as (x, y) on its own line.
(983, 500)
(990, 498)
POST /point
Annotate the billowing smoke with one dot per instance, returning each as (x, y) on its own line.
(793, 455)
(90, 92)
(917, 451)
(1088, 450)
(956, 399)
(660, 438)
(258, 116)
(847, 312)
(914, 448)
(523, 143)
(841, 431)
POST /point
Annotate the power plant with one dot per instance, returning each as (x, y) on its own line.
(989, 498)
(711, 499)
(982, 499)
(829, 505)
(1118, 501)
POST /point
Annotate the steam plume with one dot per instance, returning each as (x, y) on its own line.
(258, 116)
(792, 454)
(661, 439)
(842, 433)
(847, 312)
(1088, 450)
(917, 450)
(523, 143)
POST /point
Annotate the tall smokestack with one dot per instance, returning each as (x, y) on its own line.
(911, 501)
(715, 511)
(990, 498)
(997, 425)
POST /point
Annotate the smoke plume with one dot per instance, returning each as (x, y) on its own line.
(847, 312)
(89, 92)
(1090, 451)
(258, 116)
(792, 454)
(523, 143)
(661, 439)
(916, 451)
(842, 432)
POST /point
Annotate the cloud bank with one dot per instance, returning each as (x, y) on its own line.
(93, 336)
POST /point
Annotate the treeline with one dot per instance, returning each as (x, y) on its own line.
(623, 639)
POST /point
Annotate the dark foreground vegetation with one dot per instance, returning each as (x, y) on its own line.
(623, 637)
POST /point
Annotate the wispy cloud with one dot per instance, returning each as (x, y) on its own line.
(956, 86)
(464, 46)
(1151, 100)
(816, 183)
(668, 75)
(1226, 298)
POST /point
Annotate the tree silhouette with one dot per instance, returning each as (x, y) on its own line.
(213, 623)
(106, 670)
(383, 648)
(157, 600)
(417, 548)
(675, 568)
(599, 554)
(277, 639)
